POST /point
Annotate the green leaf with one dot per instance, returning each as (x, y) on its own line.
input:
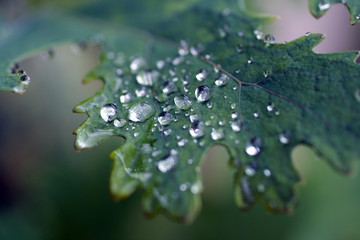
(276, 96)
(319, 7)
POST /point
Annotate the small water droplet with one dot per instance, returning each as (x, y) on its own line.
(182, 142)
(258, 34)
(167, 132)
(126, 98)
(183, 187)
(21, 72)
(267, 172)
(250, 60)
(183, 102)
(160, 64)
(197, 129)
(266, 73)
(141, 92)
(196, 50)
(194, 117)
(25, 78)
(277, 112)
(233, 106)
(137, 64)
(177, 60)
(234, 115)
(169, 87)
(209, 105)
(140, 112)
(108, 112)
(269, 39)
(167, 163)
(284, 137)
(256, 115)
(221, 80)
(270, 107)
(202, 93)
(164, 118)
(119, 122)
(190, 161)
(249, 171)
(239, 48)
(236, 126)
(217, 134)
(253, 147)
(184, 48)
(222, 32)
(119, 71)
(147, 78)
(324, 5)
(308, 34)
(201, 75)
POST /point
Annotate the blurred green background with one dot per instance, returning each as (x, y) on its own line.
(49, 191)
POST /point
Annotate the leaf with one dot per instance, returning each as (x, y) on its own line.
(319, 7)
(32, 35)
(227, 84)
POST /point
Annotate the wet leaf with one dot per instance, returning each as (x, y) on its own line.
(319, 7)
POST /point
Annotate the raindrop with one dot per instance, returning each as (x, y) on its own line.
(182, 102)
(197, 129)
(184, 48)
(308, 34)
(234, 115)
(233, 106)
(128, 97)
(249, 171)
(183, 187)
(119, 122)
(182, 142)
(269, 39)
(141, 92)
(108, 112)
(266, 73)
(217, 134)
(169, 87)
(190, 161)
(256, 115)
(324, 5)
(267, 172)
(250, 61)
(25, 78)
(136, 134)
(176, 61)
(147, 78)
(164, 118)
(277, 112)
(209, 104)
(167, 163)
(202, 93)
(167, 132)
(284, 137)
(119, 71)
(137, 64)
(221, 80)
(140, 112)
(201, 75)
(194, 117)
(236, 126)
(21, 72)
(196, 50)
(160, 64)
(253, 147)
(270, 107)
(258, 34)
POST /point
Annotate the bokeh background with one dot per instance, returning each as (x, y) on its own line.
(49, 191)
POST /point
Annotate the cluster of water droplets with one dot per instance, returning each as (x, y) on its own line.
(24, 78)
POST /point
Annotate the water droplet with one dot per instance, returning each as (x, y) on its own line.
(164, 118)
(137, 64)
(256, 115)
(357, 94)
(284, 137)
(249, 171)
(160, 64)
(209, 104)
(21, 72)
(222, 32)
(269, 39)
(267, 172)
(25, 78)
(277, 112)
(108, 112)
(196, 50)
(119, 122)
(136, 134)
(182, 142)
(190, 161)
(270, 107)
(253, 147)
(141, 92)
(250, 61)
(183, 187)
(258, 34)
(140, 112)
(184, 48)
(324, 5)
(169, 87)
(128, 97)
(167, 163)
(119, 71)
(236, 126)
(176, 61)
(197, 129)
(201, 75)
(233, 106)
(239, 48)
(266, 73)
(183, 102)
(217, 134)
(234, 115)
(308, 34)
(221, 80)
(202, 93)
(167, 132)
(147, 78)
(194, 117)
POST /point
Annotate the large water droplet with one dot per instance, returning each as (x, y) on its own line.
(253, 147)
(147, 78)
(137, 64)
(128, 97)
(197, 129)
(140, 112)
(217, 134)
(169, 87)
(167, 163)
(202, 93)
(284, 137)
(119, 122)
(108, 112)
(164, 118)
(201, 75)
(182, 102)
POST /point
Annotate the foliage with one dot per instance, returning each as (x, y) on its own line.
(193, 77)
